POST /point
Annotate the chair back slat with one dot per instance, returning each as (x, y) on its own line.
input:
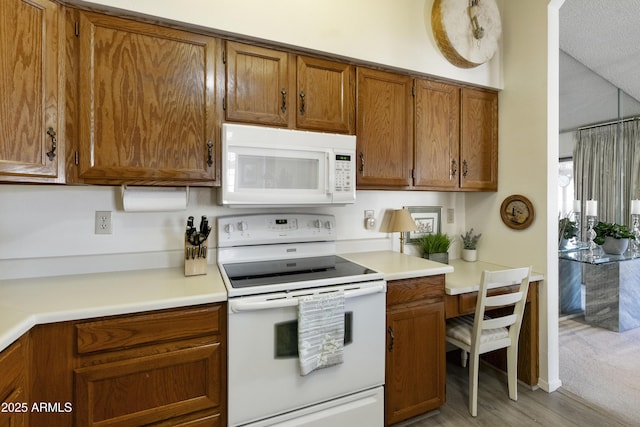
(499, 322)
(504, 299)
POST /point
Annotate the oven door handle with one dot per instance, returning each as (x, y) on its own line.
(240, 305)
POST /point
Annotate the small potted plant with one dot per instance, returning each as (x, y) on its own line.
(612, 237)
(469, 245)
(567, 230)
(435, 246)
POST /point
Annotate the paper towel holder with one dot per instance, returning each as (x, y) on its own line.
(124, 188)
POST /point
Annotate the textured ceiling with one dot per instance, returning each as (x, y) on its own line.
(604, 35)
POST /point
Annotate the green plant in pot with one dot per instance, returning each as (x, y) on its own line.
(614, 238)
(567, 230)
(470, 245)
(435, 246)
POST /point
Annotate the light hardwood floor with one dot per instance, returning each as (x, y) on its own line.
(533, 408)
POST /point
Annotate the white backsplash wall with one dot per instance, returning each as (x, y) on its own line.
(49, 230)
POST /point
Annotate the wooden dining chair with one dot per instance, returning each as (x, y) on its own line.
(484, 332)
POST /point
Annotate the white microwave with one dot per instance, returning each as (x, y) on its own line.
(264, 166)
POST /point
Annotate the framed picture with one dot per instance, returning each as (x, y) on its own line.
(427, 219)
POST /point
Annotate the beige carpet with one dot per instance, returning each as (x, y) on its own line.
(601, 366)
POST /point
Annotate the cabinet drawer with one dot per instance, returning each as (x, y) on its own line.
(149, 389)
(131, 331)
(409, 290)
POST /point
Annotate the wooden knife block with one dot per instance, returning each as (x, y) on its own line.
(195, 258)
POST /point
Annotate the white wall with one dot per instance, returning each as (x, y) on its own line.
(396, 33)
(525, 149)
(49, 230)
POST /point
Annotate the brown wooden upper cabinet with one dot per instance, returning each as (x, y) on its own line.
(146, 107)
(456, 137)
(424, 134)
(479, 140)
(31, 147)
(437, 145)
(384, 145)
(276, 88)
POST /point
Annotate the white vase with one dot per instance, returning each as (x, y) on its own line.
(614, 246)
(470, 255)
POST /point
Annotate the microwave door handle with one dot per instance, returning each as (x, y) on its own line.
(328, 177)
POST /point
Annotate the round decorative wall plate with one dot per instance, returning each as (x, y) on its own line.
(517, 212)
(466, 31)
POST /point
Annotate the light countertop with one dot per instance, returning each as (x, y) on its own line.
(467, 275)
(461, 276)
(396, 266)
(25, 303)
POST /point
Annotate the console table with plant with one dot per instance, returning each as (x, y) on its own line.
(611, 291)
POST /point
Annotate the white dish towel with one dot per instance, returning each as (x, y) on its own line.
(320, 331)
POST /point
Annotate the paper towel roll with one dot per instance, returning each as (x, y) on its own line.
(145, 199)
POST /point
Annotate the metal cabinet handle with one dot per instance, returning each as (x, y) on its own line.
(302, 103)
(54, 144)
(210, 153)
(454, 168)
(361, 169)
(465, 168)
(284, 100)
(391, 338)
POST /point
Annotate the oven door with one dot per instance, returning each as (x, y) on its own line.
(264, 370)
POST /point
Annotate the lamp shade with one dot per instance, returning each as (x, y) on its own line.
(402, 221)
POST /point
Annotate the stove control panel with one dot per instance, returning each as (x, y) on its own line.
(260, 229)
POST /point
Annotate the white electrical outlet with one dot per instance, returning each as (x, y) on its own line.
(450, 216)
(103, 222)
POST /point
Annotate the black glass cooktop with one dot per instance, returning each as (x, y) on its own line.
(260, 273)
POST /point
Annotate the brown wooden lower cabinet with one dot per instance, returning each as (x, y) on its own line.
(415, 348)
(161, 368)
(14, 399)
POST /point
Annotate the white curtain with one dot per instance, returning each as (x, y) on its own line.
(631, 154)
(606, 162)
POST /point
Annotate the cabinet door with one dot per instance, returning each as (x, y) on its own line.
(385, 129)
(29, 120)
(437, 135)
(325, 95)
(259, 85)
(479, 140)
(147, 100)
(13, 385)
(415, 362)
